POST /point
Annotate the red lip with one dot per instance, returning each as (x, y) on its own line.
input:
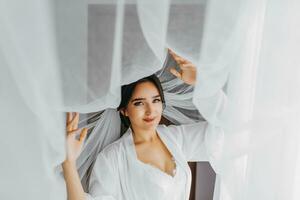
(149, 119)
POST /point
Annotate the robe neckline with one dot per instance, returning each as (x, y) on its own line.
(149, 165)
(171, 145)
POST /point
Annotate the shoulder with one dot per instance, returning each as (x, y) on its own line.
(171, 132)
(109, 157)
(164, 127)
(113, 149)
(185, 127)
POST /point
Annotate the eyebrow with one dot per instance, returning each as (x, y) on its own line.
(139, 99)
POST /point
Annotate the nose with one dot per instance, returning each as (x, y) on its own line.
(149, 109)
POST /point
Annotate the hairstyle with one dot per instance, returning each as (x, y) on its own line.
(127, 91)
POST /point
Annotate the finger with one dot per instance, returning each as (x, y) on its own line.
(177, 57)
(72, 132)
(83, 134)
(69, 117)
(172, 52)
(69, 128)
(69, 121)
(180, 60)
(75, 121)
(175, 73)
(187, 66)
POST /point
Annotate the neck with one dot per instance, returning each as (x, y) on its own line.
(142, 136)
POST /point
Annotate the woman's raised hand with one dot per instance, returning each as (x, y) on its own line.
(187, 71)
(73, 144)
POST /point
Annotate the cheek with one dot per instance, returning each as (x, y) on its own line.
(135, 112)
(159, 108)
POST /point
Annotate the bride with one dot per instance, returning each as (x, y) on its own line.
(150, 160)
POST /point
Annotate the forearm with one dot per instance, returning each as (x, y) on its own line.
(74, 187)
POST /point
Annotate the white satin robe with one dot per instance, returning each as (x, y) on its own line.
(118, 175)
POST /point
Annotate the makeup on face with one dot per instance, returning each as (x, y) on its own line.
(143, 101)
(145, 107)
(149, 120)
(138, 101)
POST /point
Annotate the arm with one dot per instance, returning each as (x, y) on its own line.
(98, 190)
(74, 187)
(198, 141)
(202, 137)
(102, 181)
(191, 140)
(73, 184)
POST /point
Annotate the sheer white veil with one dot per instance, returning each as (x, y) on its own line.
(59, 56)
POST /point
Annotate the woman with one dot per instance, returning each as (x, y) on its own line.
(150, 160)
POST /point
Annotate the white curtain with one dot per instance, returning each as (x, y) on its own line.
(58, 56)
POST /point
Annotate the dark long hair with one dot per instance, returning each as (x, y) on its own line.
(127, 91)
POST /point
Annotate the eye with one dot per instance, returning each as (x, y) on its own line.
(138, 103)
(156, 100)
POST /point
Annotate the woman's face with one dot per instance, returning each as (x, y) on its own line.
(145, 106)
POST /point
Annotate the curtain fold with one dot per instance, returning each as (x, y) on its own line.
(58, 56)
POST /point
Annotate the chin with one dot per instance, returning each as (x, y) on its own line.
(150, 125)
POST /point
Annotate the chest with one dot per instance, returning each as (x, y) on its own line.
(156, 154)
